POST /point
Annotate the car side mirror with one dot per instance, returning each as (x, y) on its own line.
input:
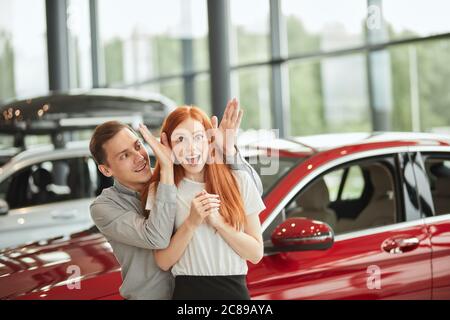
(302, 234)
(4, 207)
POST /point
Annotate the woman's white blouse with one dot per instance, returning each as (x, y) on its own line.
(208, 254)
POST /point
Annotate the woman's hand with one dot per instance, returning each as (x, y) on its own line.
(162, 150)
(225, 134)
(202, 206)
(215, 219)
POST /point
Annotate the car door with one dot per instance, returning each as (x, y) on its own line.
(380, 251)
(435, 168)
(47, 199)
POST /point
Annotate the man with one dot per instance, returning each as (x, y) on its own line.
(118, 212)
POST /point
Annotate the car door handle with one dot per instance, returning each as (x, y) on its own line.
(65, 215)
(400, 244)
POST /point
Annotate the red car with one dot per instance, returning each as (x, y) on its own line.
(349, 216)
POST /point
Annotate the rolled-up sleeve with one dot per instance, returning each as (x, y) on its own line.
(133, 229)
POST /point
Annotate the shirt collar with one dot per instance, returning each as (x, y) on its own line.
(123, 189)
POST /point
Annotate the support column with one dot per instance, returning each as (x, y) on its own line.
(219, 55)
(57, 45)
(280, 76)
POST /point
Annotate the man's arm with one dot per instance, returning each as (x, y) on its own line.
(237, 162)
(133, 229)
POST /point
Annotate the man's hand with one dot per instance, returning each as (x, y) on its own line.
(162, 150)
(225, 134)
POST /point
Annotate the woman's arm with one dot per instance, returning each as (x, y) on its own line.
(202, 205)
(248, 243)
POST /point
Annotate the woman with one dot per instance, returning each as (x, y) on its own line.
(217, 223)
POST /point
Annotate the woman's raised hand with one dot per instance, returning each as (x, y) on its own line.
(225, 133)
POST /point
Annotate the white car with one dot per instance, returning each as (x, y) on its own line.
(46, 192)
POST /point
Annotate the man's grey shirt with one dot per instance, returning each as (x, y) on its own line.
(118, 213)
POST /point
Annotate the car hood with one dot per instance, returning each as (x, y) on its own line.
(44, 265)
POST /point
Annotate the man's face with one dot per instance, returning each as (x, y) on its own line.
(126, 160)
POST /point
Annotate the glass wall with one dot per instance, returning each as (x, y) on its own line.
(250, 31)
(23, 49)
(250, 43)
(339, 83)
(323, 24)
(329, 95)
(164, 40)
(79, 41)
(252, 86)
(420, 74)
(336, 81)
(347, 65)
(416, 18)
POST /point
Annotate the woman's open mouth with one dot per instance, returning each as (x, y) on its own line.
(193, 160)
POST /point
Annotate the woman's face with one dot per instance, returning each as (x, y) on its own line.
(190, 145)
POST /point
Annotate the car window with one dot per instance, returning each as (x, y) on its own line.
(345, 184)
(367, 199)
(4, 185)
(272, 169)
(48, 182)
(438, 172)
(333, 181)
(354, 184)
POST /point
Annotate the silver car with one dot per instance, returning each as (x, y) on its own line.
(46, 192)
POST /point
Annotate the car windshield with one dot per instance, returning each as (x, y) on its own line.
(272, 170)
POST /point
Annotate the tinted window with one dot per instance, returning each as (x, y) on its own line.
(4, 188)
(272, 169)
(354, 184)
(352, 198)
(438, 172)
(49, 181)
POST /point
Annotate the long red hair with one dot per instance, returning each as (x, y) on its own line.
(218, 176)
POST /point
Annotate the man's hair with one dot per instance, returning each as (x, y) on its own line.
(102, 134)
